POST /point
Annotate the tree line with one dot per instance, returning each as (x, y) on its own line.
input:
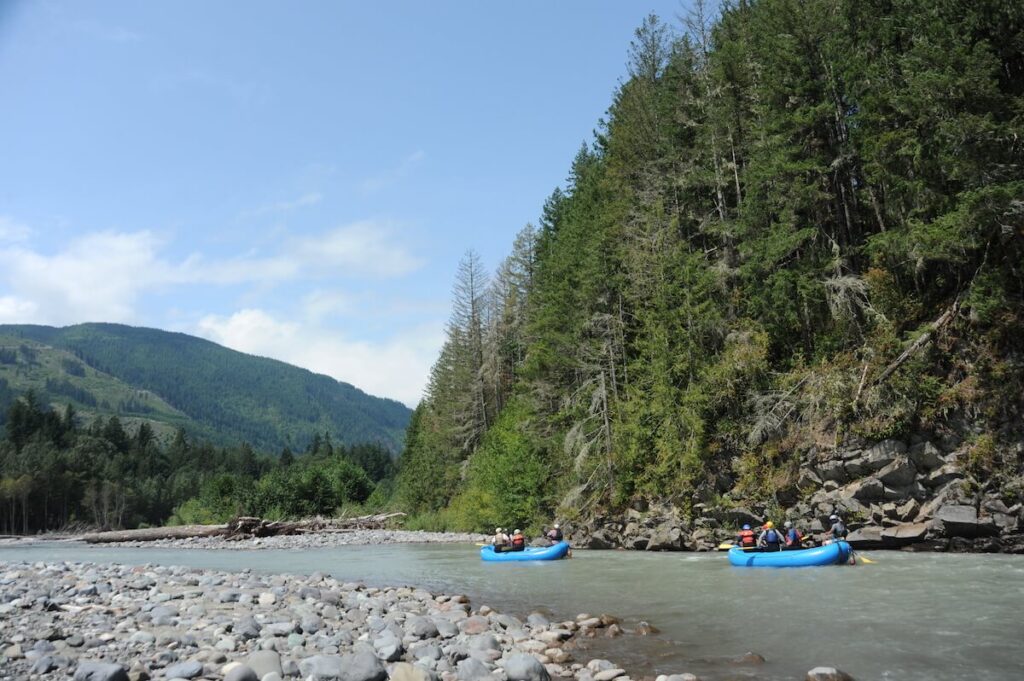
(56, 472)
(782, 201)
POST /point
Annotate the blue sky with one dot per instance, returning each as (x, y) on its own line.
(294, 180)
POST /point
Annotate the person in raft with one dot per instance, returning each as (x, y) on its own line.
(770, 539)
(837, 531)
(746, 539)
(554, 535)
(518, 541)
(794, 537)
(500, 541)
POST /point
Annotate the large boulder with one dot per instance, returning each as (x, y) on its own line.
(899, 473)
(943, 476)
(472, 669)
(520, 667)
(868, 489)
(883, 453)
(666, 538)
(901, 535)
(961, 520)
(264, 662)
(403, 671)
(869, 537)
(833, 470)
(926, 456)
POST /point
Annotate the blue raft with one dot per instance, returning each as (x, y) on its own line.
(836, 553)
(553, 552)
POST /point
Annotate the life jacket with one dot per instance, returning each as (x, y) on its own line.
(518, 542)
(771, 537)
(555, 535)
(747, 538)
(793, 537)
(500, 540)
(839, 529)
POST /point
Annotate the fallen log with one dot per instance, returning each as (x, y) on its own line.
(156, 533)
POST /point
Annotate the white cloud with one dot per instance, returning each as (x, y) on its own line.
(15, 310)
(12, 231)
(319, 304)
(97, 277)
(100, 276)
(396, 368)
(365, 248)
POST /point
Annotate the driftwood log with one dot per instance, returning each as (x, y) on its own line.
(155, 533)
(246, 527)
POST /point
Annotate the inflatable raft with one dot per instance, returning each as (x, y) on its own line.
(553, 552)
(836, 553)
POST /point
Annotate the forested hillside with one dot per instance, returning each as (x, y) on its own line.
(58, 473)
(799, 231)
(173, 380)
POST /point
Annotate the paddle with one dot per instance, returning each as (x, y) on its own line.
(864, 559)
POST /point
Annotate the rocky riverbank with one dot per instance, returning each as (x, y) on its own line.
(309, 540)
(115, 623)
(919, 495)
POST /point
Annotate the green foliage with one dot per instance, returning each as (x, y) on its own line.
(778, 204)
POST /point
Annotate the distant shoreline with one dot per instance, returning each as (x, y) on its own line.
(294, 541)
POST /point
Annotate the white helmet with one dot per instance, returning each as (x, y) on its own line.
(556, 526)
(787, 524)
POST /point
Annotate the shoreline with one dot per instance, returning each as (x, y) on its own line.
(100, 622)
(58, 619)
(310, 540)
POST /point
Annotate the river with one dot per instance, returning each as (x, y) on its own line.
(906, 616)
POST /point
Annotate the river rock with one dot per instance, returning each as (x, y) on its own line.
(609, 674)
(184, 670)
(403, 671)
(322, 667)
(665, 537)
(827, 674)
(475, 625)
(421, 627)
(472, 669)
(520, 667)
(901, 535)
(241, 673)
(100, 671)
(264, 662)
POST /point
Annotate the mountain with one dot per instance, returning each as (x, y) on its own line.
(173, 380)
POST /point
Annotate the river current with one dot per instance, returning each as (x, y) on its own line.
(906, 616)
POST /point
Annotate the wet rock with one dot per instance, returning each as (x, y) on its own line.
(521, 667)
(827, 674)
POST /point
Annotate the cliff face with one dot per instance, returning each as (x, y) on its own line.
(920, 495)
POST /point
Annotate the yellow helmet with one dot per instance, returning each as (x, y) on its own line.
(769, 525)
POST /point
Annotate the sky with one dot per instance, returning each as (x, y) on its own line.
(292, 180)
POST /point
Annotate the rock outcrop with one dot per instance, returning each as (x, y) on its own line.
(891, 494)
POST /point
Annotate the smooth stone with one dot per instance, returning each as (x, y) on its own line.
(472, 669)
(520, 667)
(827, 674)
(189, 669)
(100, 671)
(241, 673)
(403, 671)
(265, 662)
(609, 674)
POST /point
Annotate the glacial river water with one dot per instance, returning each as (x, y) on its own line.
(907, 616)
